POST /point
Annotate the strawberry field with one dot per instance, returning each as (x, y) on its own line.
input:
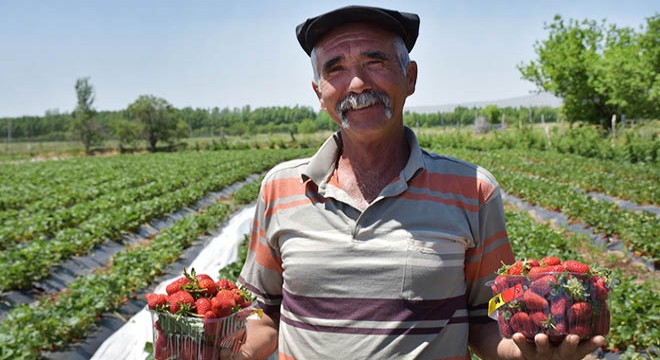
(57, 213)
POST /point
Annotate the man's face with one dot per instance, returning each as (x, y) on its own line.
(359, 71)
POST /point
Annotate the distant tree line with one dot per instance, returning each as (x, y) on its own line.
(506, 116)
(124, 126)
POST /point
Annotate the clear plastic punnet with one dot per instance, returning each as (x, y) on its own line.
(552, 303)
(186, 337)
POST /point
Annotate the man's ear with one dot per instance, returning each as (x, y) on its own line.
(317, 90)
(411, 77)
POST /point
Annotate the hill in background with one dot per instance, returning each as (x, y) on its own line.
(541, 99)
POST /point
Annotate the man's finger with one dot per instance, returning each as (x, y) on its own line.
(568, 347)
(589, 346)
(527, 349)
(543, 347)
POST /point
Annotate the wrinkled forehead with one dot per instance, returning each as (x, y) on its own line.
(356, 35)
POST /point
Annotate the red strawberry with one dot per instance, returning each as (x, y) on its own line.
(202, 306)
(239, 296)
(580, 311)
(202, 276)
(581, 330)
(515, 269)
(156, 300)
(550, 260)
(225, 284)
(176, 285)
(554, 269)
(161, 350)
(180, 301)
(222, 306)
(531, 262)
(599, 288)
(576, 266)
(558, 306)
(225, 293)
(534, 301)
(537, 272)
(211, 326)
(544, 284)
(210, 314)
(539, 318)
(500, 284)
(209, 286)
(558, 331)
(522, 323)
(560, 326)
(505, 329)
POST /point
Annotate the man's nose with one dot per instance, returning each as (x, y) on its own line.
(359, 81)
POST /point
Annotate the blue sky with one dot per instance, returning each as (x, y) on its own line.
(236, 53)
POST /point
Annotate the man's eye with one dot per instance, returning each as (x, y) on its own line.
(334, 69)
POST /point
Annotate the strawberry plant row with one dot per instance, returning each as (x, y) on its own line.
(132, 185)
(33, 260)
(52, 184)
(109, 176)
(603, 176)
(638, 231)
(634, 304)
(57, 320)
(45, 222)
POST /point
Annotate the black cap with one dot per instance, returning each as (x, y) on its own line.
(313, 29)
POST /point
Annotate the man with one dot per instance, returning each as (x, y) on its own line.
(374, 248)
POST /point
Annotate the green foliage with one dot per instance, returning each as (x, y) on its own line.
(465, 116)
(636, 230)
(85, 211)
(636, 145)
(492, 113)
(247, 193)
(635, 310)
(598, 70)
(26, 330)
(157, 118)
(127, 132)
(88, 131)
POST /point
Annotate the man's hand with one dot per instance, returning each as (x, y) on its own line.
(486, 341)
(260, 342)
(542, 349)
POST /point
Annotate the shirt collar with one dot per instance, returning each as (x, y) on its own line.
(322, 165)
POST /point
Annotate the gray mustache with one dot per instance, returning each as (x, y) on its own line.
(366, 98)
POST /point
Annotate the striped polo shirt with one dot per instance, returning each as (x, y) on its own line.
(402, 279)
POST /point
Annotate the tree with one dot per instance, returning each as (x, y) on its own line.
(86, 129)
(628, 72)
(598, 70)
(127, 133)
(492, 113)
(157, 118)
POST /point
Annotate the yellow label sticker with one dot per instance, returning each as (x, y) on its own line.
(504, 297)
